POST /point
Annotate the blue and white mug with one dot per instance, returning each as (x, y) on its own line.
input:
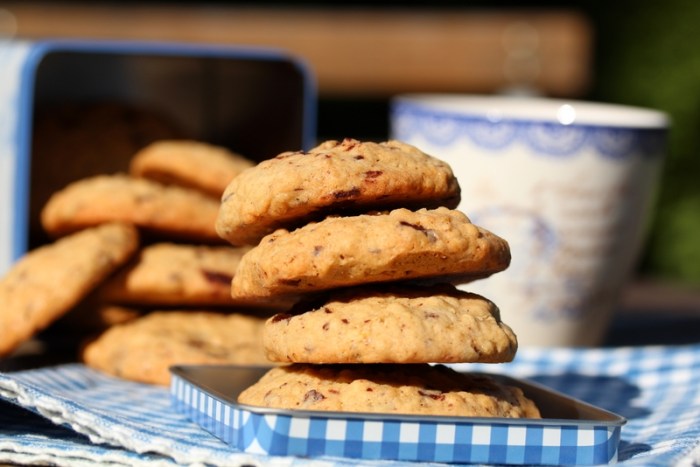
(569, 184)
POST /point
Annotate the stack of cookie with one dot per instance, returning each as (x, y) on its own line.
(125, 245)
(365, 238)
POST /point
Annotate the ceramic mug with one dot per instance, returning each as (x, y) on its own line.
(569, 184)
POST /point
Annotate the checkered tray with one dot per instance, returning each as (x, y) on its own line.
(571, 432)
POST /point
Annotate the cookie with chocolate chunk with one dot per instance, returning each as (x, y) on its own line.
(144, 349)
(393, 324)
(168, 211)
(176, 274)
(50, 280)
(348, 176)
(192, 164)
(419, 389)
(431, 245)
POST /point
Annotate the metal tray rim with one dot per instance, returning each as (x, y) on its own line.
(611, 418)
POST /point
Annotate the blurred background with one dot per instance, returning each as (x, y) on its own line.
(640, 52)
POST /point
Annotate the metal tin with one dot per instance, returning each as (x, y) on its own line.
(256, 101)
(571, 432)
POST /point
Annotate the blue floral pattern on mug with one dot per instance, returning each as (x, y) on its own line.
(491, 134)
(442, 128)
(555, 139)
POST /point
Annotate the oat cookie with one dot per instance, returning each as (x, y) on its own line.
(170, 211)
(347, 251)
(193, 164)
(419, 389)
(349, 176)
(50, 280)
(393, 325)
(144, 349)
(176, 274)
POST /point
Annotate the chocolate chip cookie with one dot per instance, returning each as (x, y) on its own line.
(419, 389)
(348, 176)
(392, 324)
(347, 251)
(176, 274)
(50, 280)
(192, 164)
(144, 349)
(168, 211)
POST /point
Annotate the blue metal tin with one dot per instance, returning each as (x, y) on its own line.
(571, 432)
(256, 101)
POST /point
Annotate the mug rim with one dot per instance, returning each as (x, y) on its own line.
(496, 108)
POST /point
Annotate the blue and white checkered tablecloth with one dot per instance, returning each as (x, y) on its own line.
(71, 415)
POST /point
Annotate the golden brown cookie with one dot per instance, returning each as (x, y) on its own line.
(393, 325)
(418, 389)
(176, 274)
(192, 164)
(169, 211)
(348, 251)
(50, 280)
(349, 176)
(144, 349)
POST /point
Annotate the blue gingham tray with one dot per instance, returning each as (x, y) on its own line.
(71, 414)
(570, 433)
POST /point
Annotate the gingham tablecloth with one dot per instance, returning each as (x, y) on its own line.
(71, 415)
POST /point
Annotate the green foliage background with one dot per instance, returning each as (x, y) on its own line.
(648, 54)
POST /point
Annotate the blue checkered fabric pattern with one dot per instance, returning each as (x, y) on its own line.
(69, 414)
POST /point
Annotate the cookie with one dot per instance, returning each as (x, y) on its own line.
(349, 176)
(144, 349)
(192, 164)
(50, 280)
(168, 211)
(419, 389)
(176, 274)
(393, 325)
(347, 251)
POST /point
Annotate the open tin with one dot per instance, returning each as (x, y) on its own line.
(255, 101)
(571, 432)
